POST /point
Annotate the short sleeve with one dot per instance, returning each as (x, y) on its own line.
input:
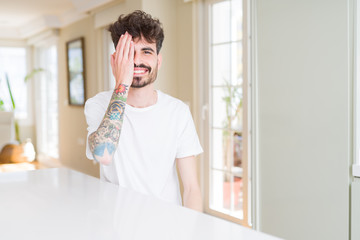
(94, 113)
(188, 141)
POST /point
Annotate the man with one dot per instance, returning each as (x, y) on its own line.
(137, 133)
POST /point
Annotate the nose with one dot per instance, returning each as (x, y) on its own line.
(136, 58)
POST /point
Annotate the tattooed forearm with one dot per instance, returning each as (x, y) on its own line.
(104, 141)
(115, 109)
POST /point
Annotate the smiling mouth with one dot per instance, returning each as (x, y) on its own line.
(140, 71)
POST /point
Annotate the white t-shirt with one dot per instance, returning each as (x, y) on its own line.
(151, 139)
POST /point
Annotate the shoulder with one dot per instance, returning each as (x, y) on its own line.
(100, 97)
(178, 111)
(99, 101)
(173, 102)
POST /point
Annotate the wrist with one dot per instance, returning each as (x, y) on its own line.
(121, 90)
(126, 83)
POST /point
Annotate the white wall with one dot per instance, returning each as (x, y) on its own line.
(304, 118)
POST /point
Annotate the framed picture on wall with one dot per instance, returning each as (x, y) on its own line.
(76, 71)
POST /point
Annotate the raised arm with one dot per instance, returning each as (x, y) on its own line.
(104, 141)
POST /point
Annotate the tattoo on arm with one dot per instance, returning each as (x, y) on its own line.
(104, 141)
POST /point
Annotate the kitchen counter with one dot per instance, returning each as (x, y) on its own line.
(59, 203)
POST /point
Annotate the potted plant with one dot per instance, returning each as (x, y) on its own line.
(14, 153)
(231, 142)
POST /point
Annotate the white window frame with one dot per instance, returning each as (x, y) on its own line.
(356, 83)
(45, 40)
(250, 92)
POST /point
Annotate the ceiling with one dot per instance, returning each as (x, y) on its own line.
(21, 19)
(16, 13)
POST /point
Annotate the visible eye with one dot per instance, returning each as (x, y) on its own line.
(147, 52)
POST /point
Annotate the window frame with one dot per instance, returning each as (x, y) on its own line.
(46, 41)
(249, 103)
(40, 125)
(356, 83)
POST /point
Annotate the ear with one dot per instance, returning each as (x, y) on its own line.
(159, 60)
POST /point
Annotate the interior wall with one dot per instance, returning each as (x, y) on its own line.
(304, 118)
(185, 52)
(72, 124)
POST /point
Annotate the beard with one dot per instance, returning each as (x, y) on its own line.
(140, 82)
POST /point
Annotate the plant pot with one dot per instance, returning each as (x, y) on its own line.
(12, 153)
(237, 187)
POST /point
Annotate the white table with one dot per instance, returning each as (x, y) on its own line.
(60, 203)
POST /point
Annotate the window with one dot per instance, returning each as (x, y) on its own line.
(13, 64)
(47, 128)
(229, 177)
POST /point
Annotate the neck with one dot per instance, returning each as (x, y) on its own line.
(142, 97)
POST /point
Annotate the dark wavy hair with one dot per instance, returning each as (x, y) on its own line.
(138, 24)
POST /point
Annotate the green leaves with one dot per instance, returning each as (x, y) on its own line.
(27, 77)
(9, 88)
(32, 73)
(233, 103)
(2, 107)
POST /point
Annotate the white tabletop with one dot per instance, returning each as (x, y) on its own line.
(60, 203)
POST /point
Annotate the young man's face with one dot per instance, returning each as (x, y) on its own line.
(146, 63)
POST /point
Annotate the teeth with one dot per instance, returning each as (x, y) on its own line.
(139, 71)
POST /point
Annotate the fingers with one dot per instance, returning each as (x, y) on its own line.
(127, 46)
(122, 49)
(132, 51)
(118, 45)
(112, 60)
(112, 63)
(122, 46)
(122, 60)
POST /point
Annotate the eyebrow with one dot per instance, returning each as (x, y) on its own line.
(148, 49)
